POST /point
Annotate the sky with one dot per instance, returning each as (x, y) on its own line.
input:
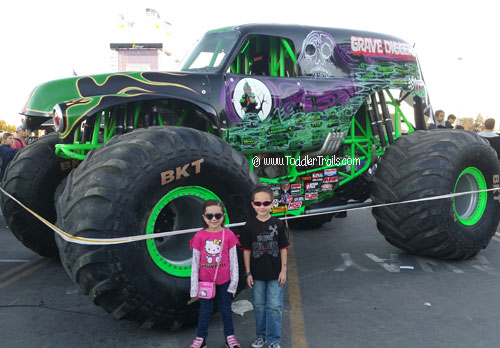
(456, 41)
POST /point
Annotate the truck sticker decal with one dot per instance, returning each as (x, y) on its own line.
(294, 205)
(316, 58)
(377, 47)
(251, 97)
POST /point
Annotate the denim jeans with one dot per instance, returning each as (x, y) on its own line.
(267, 299)
(206, 309)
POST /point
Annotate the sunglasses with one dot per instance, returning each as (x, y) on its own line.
(210, 216)
(265, 204)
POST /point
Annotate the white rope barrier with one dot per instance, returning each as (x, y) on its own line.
(108, 241)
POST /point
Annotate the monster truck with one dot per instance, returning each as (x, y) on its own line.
(328, 118)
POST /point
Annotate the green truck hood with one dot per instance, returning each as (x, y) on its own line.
(45, 96)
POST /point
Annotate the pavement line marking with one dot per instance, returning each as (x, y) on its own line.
(24, 274)
(17, 299)
(20, 268)
(497, 233)
(295, 299)
(496, 238)
(14, 261)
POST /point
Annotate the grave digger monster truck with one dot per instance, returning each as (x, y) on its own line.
(137, 153)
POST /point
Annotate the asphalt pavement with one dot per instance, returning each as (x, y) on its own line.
(349, 288)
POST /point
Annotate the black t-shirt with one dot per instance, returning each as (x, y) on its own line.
(264, 240)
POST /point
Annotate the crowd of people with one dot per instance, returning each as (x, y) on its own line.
(10, 145)
(441, 123)
(439, 115)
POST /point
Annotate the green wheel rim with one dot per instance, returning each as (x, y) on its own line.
(470, 208)
(187, 196)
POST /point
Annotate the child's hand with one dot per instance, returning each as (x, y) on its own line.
(192, 300)
(231, 294)
(250, 281)
(282, 278)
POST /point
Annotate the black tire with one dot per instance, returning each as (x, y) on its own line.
(113, 192)
(32, 177)
(425, 164)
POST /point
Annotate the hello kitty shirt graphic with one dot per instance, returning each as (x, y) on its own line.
(213, 251)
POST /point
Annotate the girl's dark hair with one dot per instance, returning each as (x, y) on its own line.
(212, 202)
(265, 189)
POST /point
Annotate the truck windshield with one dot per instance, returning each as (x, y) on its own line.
(211, 51)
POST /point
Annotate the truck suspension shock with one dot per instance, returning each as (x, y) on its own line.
(386, 117)
(130, 118)
(120, 118)
(375, 120)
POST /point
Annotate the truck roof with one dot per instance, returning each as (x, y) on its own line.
(293, 31)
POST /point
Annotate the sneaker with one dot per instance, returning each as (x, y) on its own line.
(232, 342)
(274, 345)
(259, 343)
(198, 343)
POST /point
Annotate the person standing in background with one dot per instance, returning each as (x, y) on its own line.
(7, 153)
(439, 117)
(19, 138)
(450, 120)
(489, 126)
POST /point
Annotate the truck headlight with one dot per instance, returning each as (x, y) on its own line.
(58, 118)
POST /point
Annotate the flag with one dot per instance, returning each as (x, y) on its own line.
(124, 23)
(158, 22)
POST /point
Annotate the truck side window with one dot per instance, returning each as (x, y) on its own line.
(266, 56)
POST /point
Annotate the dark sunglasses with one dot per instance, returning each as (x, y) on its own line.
(210, 216)
(265, 204)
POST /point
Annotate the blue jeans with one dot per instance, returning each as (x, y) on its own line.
(267, 299)
(206, 309)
